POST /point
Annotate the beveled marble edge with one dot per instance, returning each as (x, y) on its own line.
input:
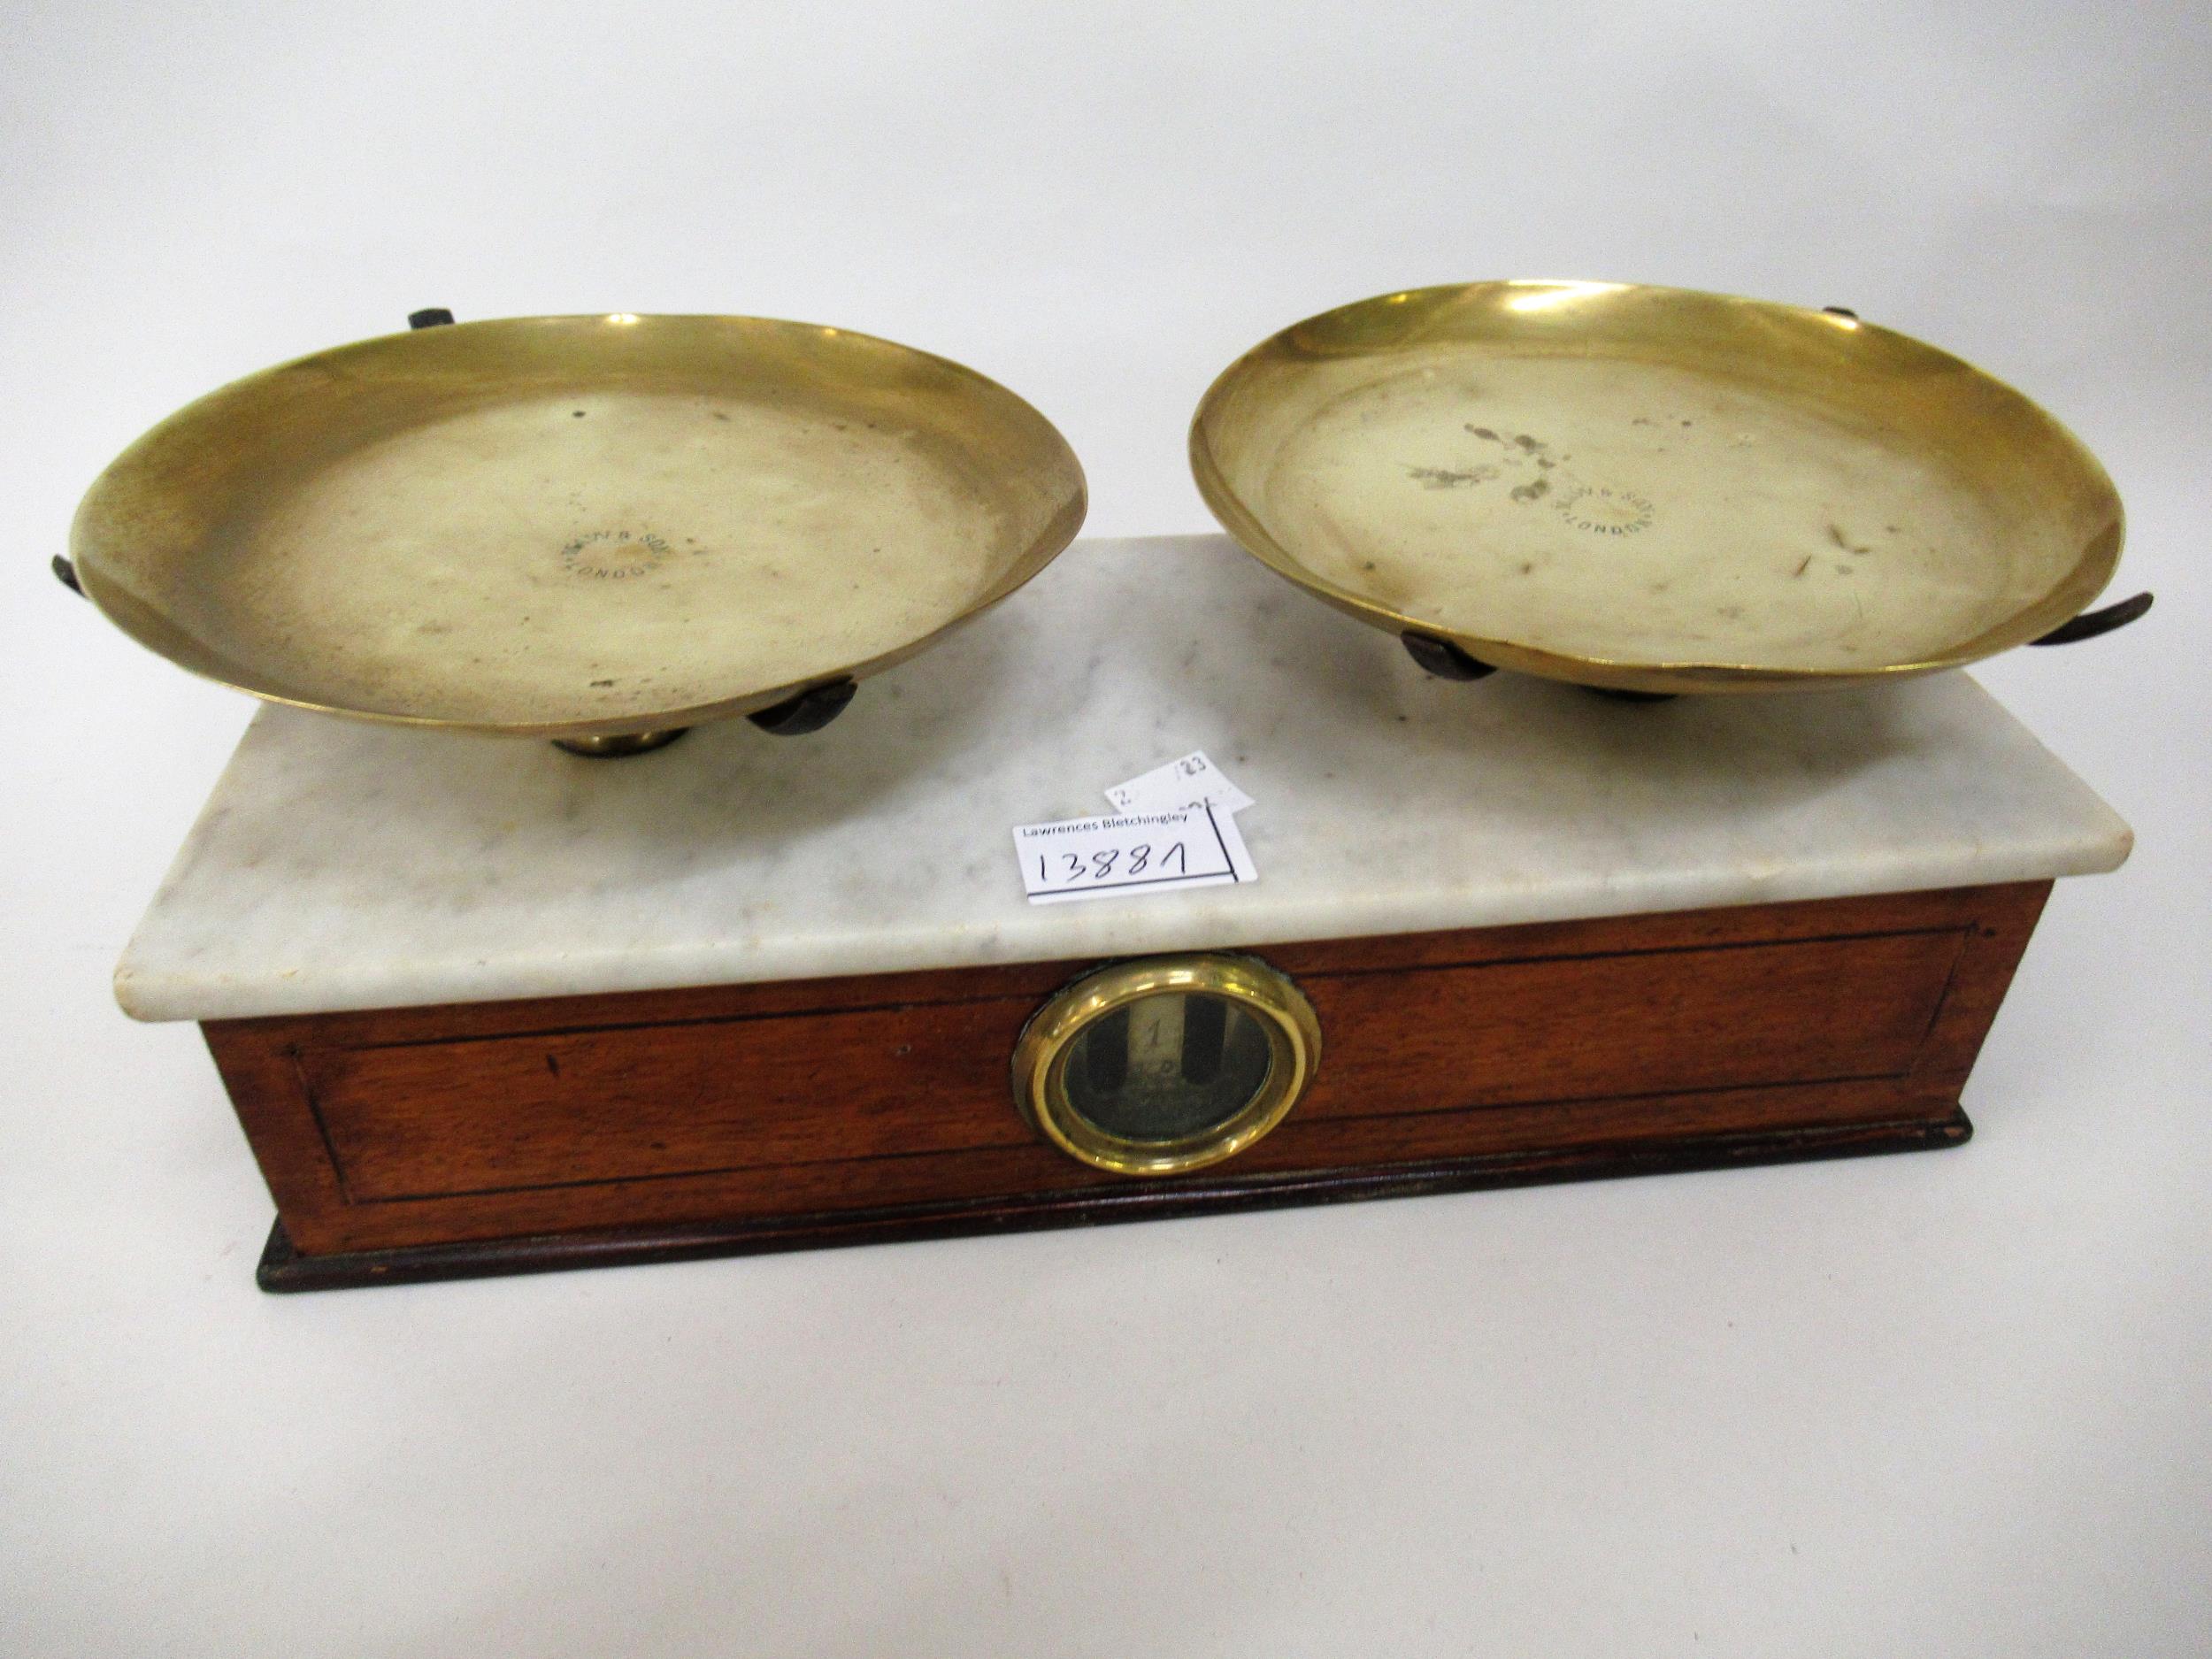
(157, 997)
(267, 911)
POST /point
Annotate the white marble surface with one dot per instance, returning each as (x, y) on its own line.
(344, 865)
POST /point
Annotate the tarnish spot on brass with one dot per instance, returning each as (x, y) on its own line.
(1450, 478)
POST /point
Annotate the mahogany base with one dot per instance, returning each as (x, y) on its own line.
(284, 1269)
(506, 1137)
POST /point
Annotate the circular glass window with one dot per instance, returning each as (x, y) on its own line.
(1168, 1064)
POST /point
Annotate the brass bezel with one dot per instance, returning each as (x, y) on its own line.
(1041, 1057)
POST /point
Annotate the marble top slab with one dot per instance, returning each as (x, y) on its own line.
(344, 865)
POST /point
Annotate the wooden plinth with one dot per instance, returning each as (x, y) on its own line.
(502, 1137)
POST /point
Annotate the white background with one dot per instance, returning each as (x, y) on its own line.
(1956, 1404)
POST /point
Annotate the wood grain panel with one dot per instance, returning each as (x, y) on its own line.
(768, 1112)
(285, 1268)
(619, 1102)
(1644, 1023)
(641, 1100)
(991, 1174)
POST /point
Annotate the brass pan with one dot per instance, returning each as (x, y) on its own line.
(596, 529)
(1651, 490)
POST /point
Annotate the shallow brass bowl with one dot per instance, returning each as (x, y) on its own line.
(577, 527)
(1654, 490)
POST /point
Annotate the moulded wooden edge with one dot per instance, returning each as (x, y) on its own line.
(283, 1269)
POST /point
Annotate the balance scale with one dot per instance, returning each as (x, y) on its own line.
(486, 1007)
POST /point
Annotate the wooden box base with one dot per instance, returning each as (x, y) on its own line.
(407, 1144)
(284, 1268)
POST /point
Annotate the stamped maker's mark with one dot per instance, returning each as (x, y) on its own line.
(1607, 512)
(614, 555)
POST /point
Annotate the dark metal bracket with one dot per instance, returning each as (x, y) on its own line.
(1447, 661)
(65, 573)
(1444, 659)
(431, 317)
(2092, 623)
(809, 711)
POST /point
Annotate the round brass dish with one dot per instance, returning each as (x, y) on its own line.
(1654, 490)
(1168, 1064)
(579, 527)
